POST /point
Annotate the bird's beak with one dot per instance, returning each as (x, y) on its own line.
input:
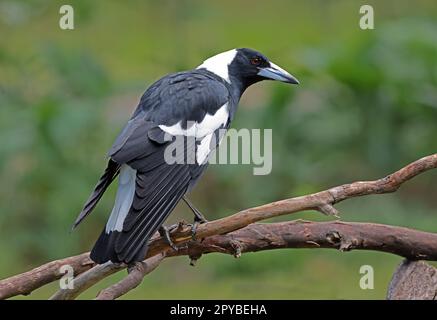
(275, 72)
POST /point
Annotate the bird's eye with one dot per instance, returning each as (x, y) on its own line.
(255, 61)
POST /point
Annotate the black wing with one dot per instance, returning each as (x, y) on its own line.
(159, 186)
(106, 179)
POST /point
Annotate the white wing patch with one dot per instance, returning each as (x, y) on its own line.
(209, 124)
(203, 131)
(204, 149)
(219, 63)
(123, 199)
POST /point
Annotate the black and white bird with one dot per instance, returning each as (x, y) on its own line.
(197, 103)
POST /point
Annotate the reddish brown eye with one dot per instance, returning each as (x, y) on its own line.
(255, 61)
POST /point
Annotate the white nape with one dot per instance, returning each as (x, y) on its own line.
(123, 199)
(208, 125)
(219, 63)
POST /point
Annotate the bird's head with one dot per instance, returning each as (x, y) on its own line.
(246, 67)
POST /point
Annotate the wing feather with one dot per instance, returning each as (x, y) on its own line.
(159, 185)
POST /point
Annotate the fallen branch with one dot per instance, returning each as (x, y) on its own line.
(322, 201)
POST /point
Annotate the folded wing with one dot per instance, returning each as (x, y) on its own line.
(149, 186)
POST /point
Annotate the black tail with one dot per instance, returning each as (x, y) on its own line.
(104, 249)
(108, 176)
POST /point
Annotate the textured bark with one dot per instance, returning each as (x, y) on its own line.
(413, 280)
(322, 201)
(221, 236)
(26, 282)
(344, 236)
(136, 275)
(87, 280)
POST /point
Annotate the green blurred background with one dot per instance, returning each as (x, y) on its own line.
(366, 106)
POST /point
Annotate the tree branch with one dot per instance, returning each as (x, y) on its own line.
(322, 201)
(343, 236)
(26, 282)
(136, 274)
(388, 239)
(87, 280)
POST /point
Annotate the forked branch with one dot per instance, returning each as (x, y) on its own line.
(221, 236)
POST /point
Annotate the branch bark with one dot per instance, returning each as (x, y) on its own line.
(25, 283)
(136, 274)
(342, 236)
(321, 201)
(413, 280)
(87, 280)
(219, 236)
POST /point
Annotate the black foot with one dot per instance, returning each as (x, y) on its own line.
(195, 225)
(165, 233)
(194, 230)
(198, 218)
(132, 266)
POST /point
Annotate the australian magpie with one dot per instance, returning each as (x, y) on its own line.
(196, 103)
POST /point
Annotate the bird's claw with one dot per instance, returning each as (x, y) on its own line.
(194, 226)
(165, 233)
(198, 218)
(194, 230)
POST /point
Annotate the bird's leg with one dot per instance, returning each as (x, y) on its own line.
(165, 233)
(198, 217)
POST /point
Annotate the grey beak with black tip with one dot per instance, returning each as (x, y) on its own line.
(275, 72)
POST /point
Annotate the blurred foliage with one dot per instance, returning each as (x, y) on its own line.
(367, 105)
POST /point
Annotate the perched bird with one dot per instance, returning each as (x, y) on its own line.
(196, 103)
